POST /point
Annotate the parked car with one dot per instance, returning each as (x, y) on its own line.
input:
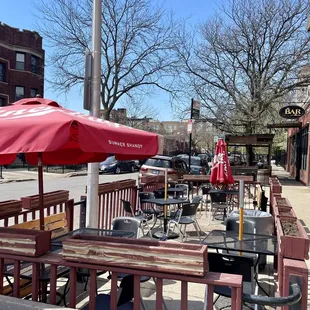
(176, 167)
(206, 159)
(196, 164)
(111, 164)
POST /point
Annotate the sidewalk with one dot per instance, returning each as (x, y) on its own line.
(22, 175)
(297, 193)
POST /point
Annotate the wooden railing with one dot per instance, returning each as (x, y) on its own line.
(151, 183)
(110, 204)
(55, 260)
(30, 215)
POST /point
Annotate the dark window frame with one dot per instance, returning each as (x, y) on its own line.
(2, 72)
(304, 147)
(3, 102)
(36, 92)
(20, 65)
(34, 64)
(19, 97)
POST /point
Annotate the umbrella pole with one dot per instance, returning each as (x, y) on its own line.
(166, 184)
(41, 193)
(165, 206)
(241, 202)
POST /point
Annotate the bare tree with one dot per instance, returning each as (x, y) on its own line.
(245, 59)
(137, 45)
(139, 111)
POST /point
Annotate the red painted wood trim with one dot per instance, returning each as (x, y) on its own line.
(69, 207)
(210, 290)
(159, 293)
(136, 290)
(16, 285)
(92, 289)
(1, 275)
(184, 295)
(53, 284)
(72, 292)
(35, 281)
(113, 305)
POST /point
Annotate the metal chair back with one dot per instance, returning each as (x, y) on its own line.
(127, 223)
(159, 194)
(146, 195)
(233, 264)
(218, 197)
(189, 209)
(196, 199)
(127, 207)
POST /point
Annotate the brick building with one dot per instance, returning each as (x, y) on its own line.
(21, 64)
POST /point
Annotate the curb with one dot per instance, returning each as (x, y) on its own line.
(16, 180)
(75, 174)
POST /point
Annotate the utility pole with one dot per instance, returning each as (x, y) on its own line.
(190, 137)
(93, 168)
(195, 112)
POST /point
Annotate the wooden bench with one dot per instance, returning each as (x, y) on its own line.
(59, 224)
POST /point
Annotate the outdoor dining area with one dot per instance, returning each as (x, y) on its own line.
(157, 244)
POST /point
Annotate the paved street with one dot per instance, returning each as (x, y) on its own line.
(52, 181)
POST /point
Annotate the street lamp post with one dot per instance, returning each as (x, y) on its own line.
(93, 168)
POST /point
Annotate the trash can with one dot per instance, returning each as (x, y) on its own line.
(263, 225)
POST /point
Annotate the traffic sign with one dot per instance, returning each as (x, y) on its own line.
(190, 126)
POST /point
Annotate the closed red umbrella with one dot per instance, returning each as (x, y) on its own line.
(49, 134)
(221, 171)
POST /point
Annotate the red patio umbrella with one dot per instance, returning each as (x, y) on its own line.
(221, 172)
(49, 134)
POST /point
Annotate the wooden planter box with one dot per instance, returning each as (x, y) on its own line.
(50, 199)
(296, 247)
(10, 207)
(26, 242)
(284, 211)
(281, 201)
(276, 188)
(188, 259)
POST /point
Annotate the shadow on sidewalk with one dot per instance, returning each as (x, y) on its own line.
(289, 181)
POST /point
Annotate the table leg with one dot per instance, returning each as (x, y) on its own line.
(165, 219)
(164, 235)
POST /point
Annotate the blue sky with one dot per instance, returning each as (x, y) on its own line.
(19, 14)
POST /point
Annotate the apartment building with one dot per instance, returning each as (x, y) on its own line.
(21, 64)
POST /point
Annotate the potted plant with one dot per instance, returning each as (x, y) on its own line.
(292, 238)
(280, 210)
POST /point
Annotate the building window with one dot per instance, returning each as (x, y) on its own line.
(34, 64)
(19, 92)
(20, 61)
(304, 147)
(2, 72)
(33, 92)
(2, 102)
